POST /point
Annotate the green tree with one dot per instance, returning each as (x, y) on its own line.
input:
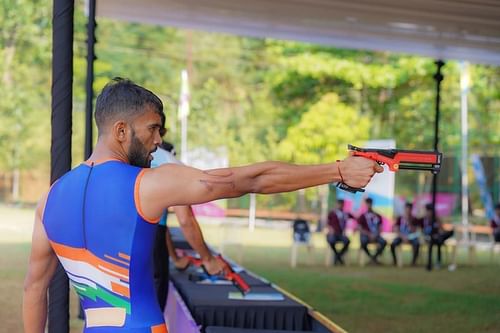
(324, 131)
(24, 97)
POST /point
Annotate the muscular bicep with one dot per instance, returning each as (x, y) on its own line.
(172, 185)
(42, 261)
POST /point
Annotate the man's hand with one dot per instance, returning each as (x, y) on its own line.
(181, 263)
(358, 171)
(213, 265)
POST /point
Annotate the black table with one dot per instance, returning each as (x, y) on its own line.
(178, 238)
(218, 329)
(210, 306)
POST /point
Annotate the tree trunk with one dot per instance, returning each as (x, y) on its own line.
(9, 52)
(324, 193)
(301, 198)
(16, 182)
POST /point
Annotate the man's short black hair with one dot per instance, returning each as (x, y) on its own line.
(122, 97)
(167, 146)
(429, 206)
(369, 200)
(497, 206)
(340, 201)
(408, 204)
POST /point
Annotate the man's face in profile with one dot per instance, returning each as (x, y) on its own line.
(145, 138)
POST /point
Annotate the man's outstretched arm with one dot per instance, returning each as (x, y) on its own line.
(172, 185)
(42, 264)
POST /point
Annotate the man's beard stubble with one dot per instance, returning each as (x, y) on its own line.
(138, 155)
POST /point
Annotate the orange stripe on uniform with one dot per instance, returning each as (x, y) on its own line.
(119, 289)
(162, 328)
(124, 256)
(137, 199)
(117, 260)
(80, 254)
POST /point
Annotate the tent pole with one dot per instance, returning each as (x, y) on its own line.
(60, 150)
(91, 40)
(464, 85)
(438, 77)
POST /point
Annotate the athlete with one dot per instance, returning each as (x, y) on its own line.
(99, 219)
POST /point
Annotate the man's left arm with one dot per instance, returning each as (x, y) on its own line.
(42, 264)
(194, 237)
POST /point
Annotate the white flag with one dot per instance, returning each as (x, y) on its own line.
(184, 97)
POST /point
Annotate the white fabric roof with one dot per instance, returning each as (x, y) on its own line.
(446, 29)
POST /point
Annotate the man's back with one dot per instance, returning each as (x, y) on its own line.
(105, 246)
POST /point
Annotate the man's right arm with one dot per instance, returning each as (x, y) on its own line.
(172, 185)
(363, 225)
(395, 226)
(330, 222)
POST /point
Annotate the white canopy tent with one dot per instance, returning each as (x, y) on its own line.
(442, 29)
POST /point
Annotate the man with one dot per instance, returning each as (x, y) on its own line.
(370, 229)
(434, 234)
(406, 228)
(100, 218)
(337, 223)
(164, 245)
(495, 224)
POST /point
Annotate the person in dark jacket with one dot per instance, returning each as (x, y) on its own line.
(337, 223)
(370, 224)
(495, 223)
(406, 229)
(434, 233)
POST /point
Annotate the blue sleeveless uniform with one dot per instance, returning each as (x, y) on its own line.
(96, 228)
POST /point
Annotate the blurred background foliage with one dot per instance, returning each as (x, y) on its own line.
(258, 98)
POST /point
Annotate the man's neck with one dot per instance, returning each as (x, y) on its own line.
(104, 151)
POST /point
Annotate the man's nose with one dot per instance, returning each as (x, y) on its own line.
(157, 138)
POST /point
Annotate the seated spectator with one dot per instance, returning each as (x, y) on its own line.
(406, 228)
(495, 224)
(337, 223)
(370, 224)
(301, 231)
(434, 233)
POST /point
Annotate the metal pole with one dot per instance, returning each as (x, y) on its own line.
(251, 212)
(184, 121)
(183, 114)
(438, 77)
(60, 150)
(464, 85)
(91, 40)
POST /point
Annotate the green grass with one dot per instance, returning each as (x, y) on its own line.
(359, 299)
(388, 299)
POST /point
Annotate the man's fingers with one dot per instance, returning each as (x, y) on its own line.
(378, 168)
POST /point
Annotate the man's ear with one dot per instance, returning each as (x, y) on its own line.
(120, 130)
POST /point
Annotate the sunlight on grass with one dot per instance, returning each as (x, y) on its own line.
(360, 299)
